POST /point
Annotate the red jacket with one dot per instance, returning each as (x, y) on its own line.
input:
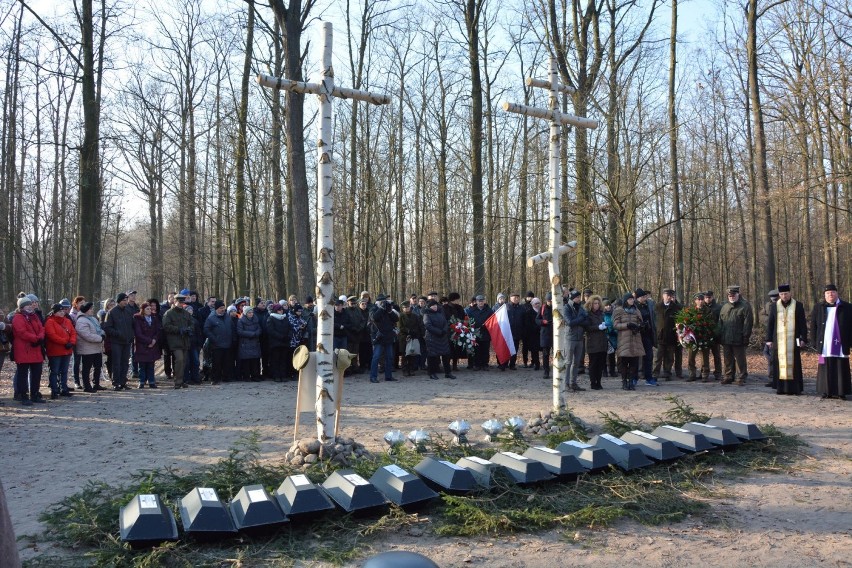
(27, 329)
(59, 332)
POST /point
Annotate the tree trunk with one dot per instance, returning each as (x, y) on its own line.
(280, 284)
(673, 138)
(89, 210)
(242, 259)
(290, 19)
(761, 173)
(472, 11)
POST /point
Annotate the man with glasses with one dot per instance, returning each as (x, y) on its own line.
(736, 321)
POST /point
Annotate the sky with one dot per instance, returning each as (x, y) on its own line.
(695, 18)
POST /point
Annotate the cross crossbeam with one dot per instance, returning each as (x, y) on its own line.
(557, 249)
(328, 387)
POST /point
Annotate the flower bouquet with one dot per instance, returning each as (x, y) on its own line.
(694, 329)
(463, 336)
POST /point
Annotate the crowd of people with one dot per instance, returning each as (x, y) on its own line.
(631, 337)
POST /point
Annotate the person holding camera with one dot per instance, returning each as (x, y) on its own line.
(179, 327)
(627, 320)
(27, 346)
(383, 320)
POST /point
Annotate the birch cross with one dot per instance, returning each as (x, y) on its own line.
(326, 90)
(557, 120)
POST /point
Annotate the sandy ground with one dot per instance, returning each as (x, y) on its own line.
(805, 519)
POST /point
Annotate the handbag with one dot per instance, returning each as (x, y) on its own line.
(412, 347)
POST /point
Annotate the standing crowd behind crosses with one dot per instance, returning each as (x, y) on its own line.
(632, 337)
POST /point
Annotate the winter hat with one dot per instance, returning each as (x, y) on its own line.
(297, 307)
(120, 297)
(698, 296)
(189, 308)
(218, 304)
(33, 298)
(185, 292)
(365, 294)
(309, 299)
(56, 307)
(352, 299)
(574, 294)
(774, 293)
(85, 307)
(454, 296)
(431, 303)
(500, 295)
(381, 298)
(628, 295)
(530, 294)
(342, 297)
(339, 302)
(640, 293)
(536, 301)
(275, 307)
(65, 303)
(783, 288)
(232, 309)
(24, 302)
(180, 297)
(548, 297)
(248, 309)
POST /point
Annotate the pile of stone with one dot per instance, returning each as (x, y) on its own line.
(342, 451)
(550, 422)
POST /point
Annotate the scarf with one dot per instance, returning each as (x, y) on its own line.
(95, 324)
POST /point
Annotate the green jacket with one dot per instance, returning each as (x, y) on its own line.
(178, 326)
(736, 321)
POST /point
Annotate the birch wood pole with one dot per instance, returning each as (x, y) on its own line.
(327, 391)
(557, 249)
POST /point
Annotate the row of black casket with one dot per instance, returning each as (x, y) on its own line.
(146, 521)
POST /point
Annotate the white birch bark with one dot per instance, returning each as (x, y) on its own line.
(326, 387)
(326, 405)
(554, 240)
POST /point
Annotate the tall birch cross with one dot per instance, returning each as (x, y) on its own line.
(557, 249)
(326, 90)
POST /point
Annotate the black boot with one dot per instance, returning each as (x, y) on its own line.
(625, 382)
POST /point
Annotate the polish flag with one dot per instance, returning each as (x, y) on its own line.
(501, 335)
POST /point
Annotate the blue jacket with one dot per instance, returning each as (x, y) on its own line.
(576, 316)
(219, 330)
(479, 316)
(249, 332)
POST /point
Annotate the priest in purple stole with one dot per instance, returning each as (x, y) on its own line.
(831, 329)
(786, 334)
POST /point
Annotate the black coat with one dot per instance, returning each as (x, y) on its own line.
(278, 331)
(515, 313)
(383, 326)
(544, 321)
(118, 325)
(844, 321)
(437, 333)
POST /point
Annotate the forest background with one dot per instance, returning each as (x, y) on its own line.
(138, 152)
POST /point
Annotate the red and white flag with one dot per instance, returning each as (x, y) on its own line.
(501, 334)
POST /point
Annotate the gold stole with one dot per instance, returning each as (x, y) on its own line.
(785, 338)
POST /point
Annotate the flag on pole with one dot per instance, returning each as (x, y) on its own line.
(501, 334)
